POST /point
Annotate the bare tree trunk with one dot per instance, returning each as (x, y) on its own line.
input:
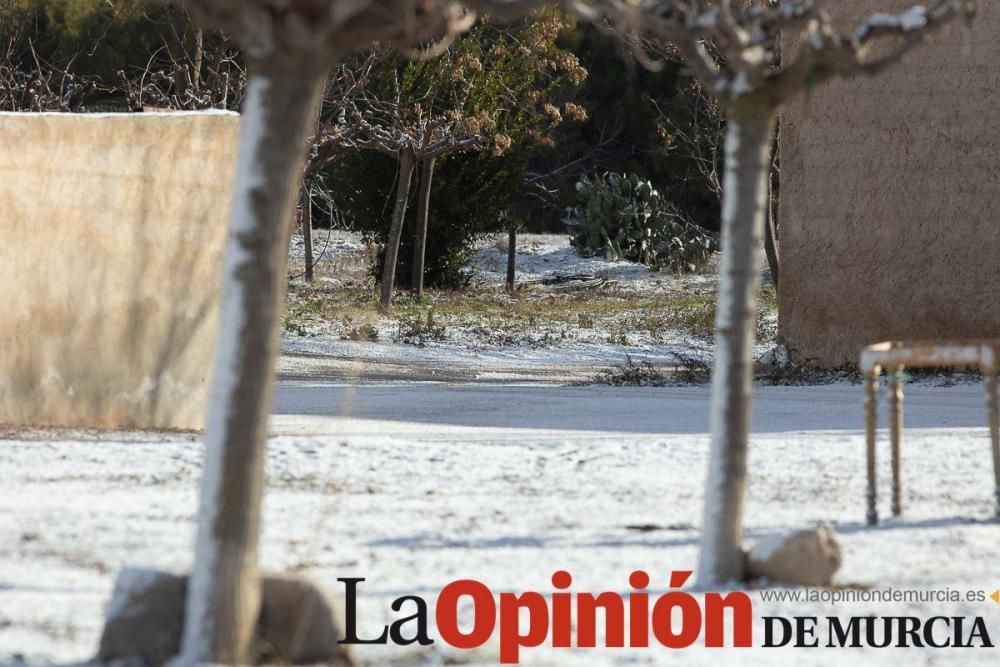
(224, 593)
(511, 255)
(771, 240)
(406, 163)
(420, 235)
(305, 212)
(197, 57)
(186, 51)
(744, 213)
(771, 246)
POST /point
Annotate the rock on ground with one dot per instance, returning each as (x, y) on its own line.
(298, 620)
(805, 557)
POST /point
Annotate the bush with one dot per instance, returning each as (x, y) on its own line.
(631, 374)
(689, 370)
(416, 330)
(624, 217)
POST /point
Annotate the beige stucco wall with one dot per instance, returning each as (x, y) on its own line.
(890, 199)
(111, 235)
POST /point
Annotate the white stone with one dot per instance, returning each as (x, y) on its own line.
(805, 558)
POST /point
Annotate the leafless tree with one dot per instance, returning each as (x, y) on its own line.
(187, 51)
(698, 131)
(494, 90)
(413, 131)
(189, 71)
(291, 46)
(413, 134)
(732, 47)
(39, 85)
(420, 124)
(192, 70)
(332, 139)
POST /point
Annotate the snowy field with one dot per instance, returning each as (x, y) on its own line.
(418, 484)
(337, 254)
(540, 333)
(416, 461)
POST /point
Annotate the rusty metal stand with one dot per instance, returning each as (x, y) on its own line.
(871, 431)
(895, 436)
(894, 358)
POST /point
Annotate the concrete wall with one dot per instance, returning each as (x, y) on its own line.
(111, 237)
(890, 195)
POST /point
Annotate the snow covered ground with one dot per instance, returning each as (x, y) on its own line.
(413, 485)
(538, 256)
(542, 255)
(467, 456)
(541, 333)
(327, 357)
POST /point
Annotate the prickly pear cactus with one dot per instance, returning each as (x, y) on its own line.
(623, 217)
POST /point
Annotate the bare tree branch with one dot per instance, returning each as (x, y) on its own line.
(748, 40)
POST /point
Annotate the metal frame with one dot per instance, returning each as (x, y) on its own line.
(894, 358)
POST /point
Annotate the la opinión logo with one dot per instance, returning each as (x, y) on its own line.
(638, 619)
(564, 619)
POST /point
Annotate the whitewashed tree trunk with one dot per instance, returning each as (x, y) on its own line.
(744, 212)
(406, 164)
(420, 235)
(224, 592)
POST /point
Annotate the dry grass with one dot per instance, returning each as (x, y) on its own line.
(341, 302)
(611, 313)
